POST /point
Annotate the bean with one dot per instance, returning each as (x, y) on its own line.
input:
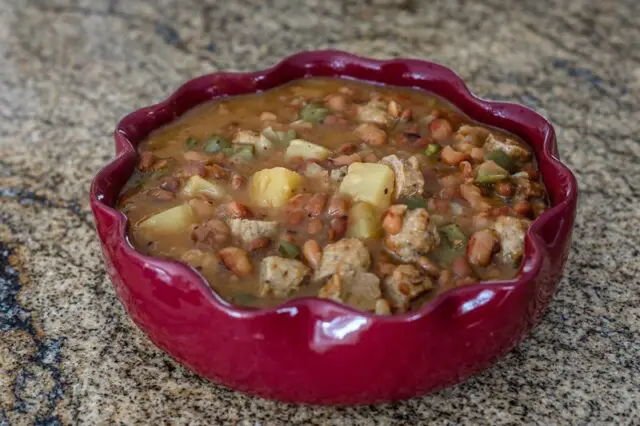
(499, 211)
(440, 129)
(346, 91)
(171, 184)
(316, 204)
(295, 218)
(473, 195)
(480, 247)
(347, 148)
(460, 267)
(211, 232)
(465, 281)
(314, 226)
(236, 260)
(371, 134)
(477, 154)
(522, 208)
(452, 157)
(533, 173)
(146, 160)
(370, 158)
(466, 169)
(394, 109)
(268, 116)
(338, 206)
(392, 221)
(337, 228)
(216, 172)
(335, 121)
(297, 202)
(385, 268)
(336, 102)
(406, 115)
(238, 210)
(312, 253)
(429, 266)
(237, 181)
(258, 243)
(345, 160)
(504, 189)
(445, 280)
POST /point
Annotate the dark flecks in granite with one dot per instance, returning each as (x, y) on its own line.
(47, 351)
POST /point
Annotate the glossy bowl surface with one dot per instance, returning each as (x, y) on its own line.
(316, 351)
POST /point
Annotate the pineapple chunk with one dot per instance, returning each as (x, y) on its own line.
(307, 150)
(363, 221)
(370, 182)
(172, 221)
(273, 187)
(198, 186)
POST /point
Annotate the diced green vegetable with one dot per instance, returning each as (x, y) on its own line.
(191, 144)
(313, 113)
(490, 172)
(432, 150)
(215, 144)
(413, 202)
(288, 249)
(502, 160)
(454, 235)
(242, 154)
(453, 244)
(158, 173)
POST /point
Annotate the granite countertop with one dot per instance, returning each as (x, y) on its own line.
(69, 69)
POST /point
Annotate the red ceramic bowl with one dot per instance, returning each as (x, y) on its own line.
(316, 351)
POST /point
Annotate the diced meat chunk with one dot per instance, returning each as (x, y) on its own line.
(280, 276)
(474, 135)
(409, 179)
(246, 137)
(345, 257)
(247, 230)
(417, 237)
(405, 284)
(511, 232)
(374, 111)
(361, 290)
(510, 147)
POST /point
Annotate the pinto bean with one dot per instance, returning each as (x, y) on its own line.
(473, 195)
(450, 156)
(477, 154)
(237, 181)
(504, 189)
(146, 160)
(370, 158)
(347, 148)
(236, 260)
(238, 210)
(312, 253)
(480, 247)
(316, 203)
(460, 267)
(522, 208)
(211, 232)
(371, 134)
(171, 184)
(429, 266)
(268, 116)
(345, 160)
(336, 102)
(258, 244)
(337, 228)
(440, 129)
(314, 226)
(336, 121)
(338, 206)
(203, 209)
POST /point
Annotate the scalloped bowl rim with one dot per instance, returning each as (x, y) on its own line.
(530, 264)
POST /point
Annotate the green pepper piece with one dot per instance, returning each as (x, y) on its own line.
(432, 150)
(215, 144)
(281, 138)
(454, 235)
(413, 202)
(242, 154)
(490, 172)
(313, 113)
(502, 160)
(288, 249)
(191, 144)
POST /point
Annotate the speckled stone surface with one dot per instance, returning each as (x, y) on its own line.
(69, 69)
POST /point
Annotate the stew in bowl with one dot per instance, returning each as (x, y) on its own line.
(378, 197)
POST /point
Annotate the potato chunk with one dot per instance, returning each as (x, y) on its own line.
(273, 187)
(370, 182)
(363, 221)
(196, 186)
(172, 221)
(307, 150)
